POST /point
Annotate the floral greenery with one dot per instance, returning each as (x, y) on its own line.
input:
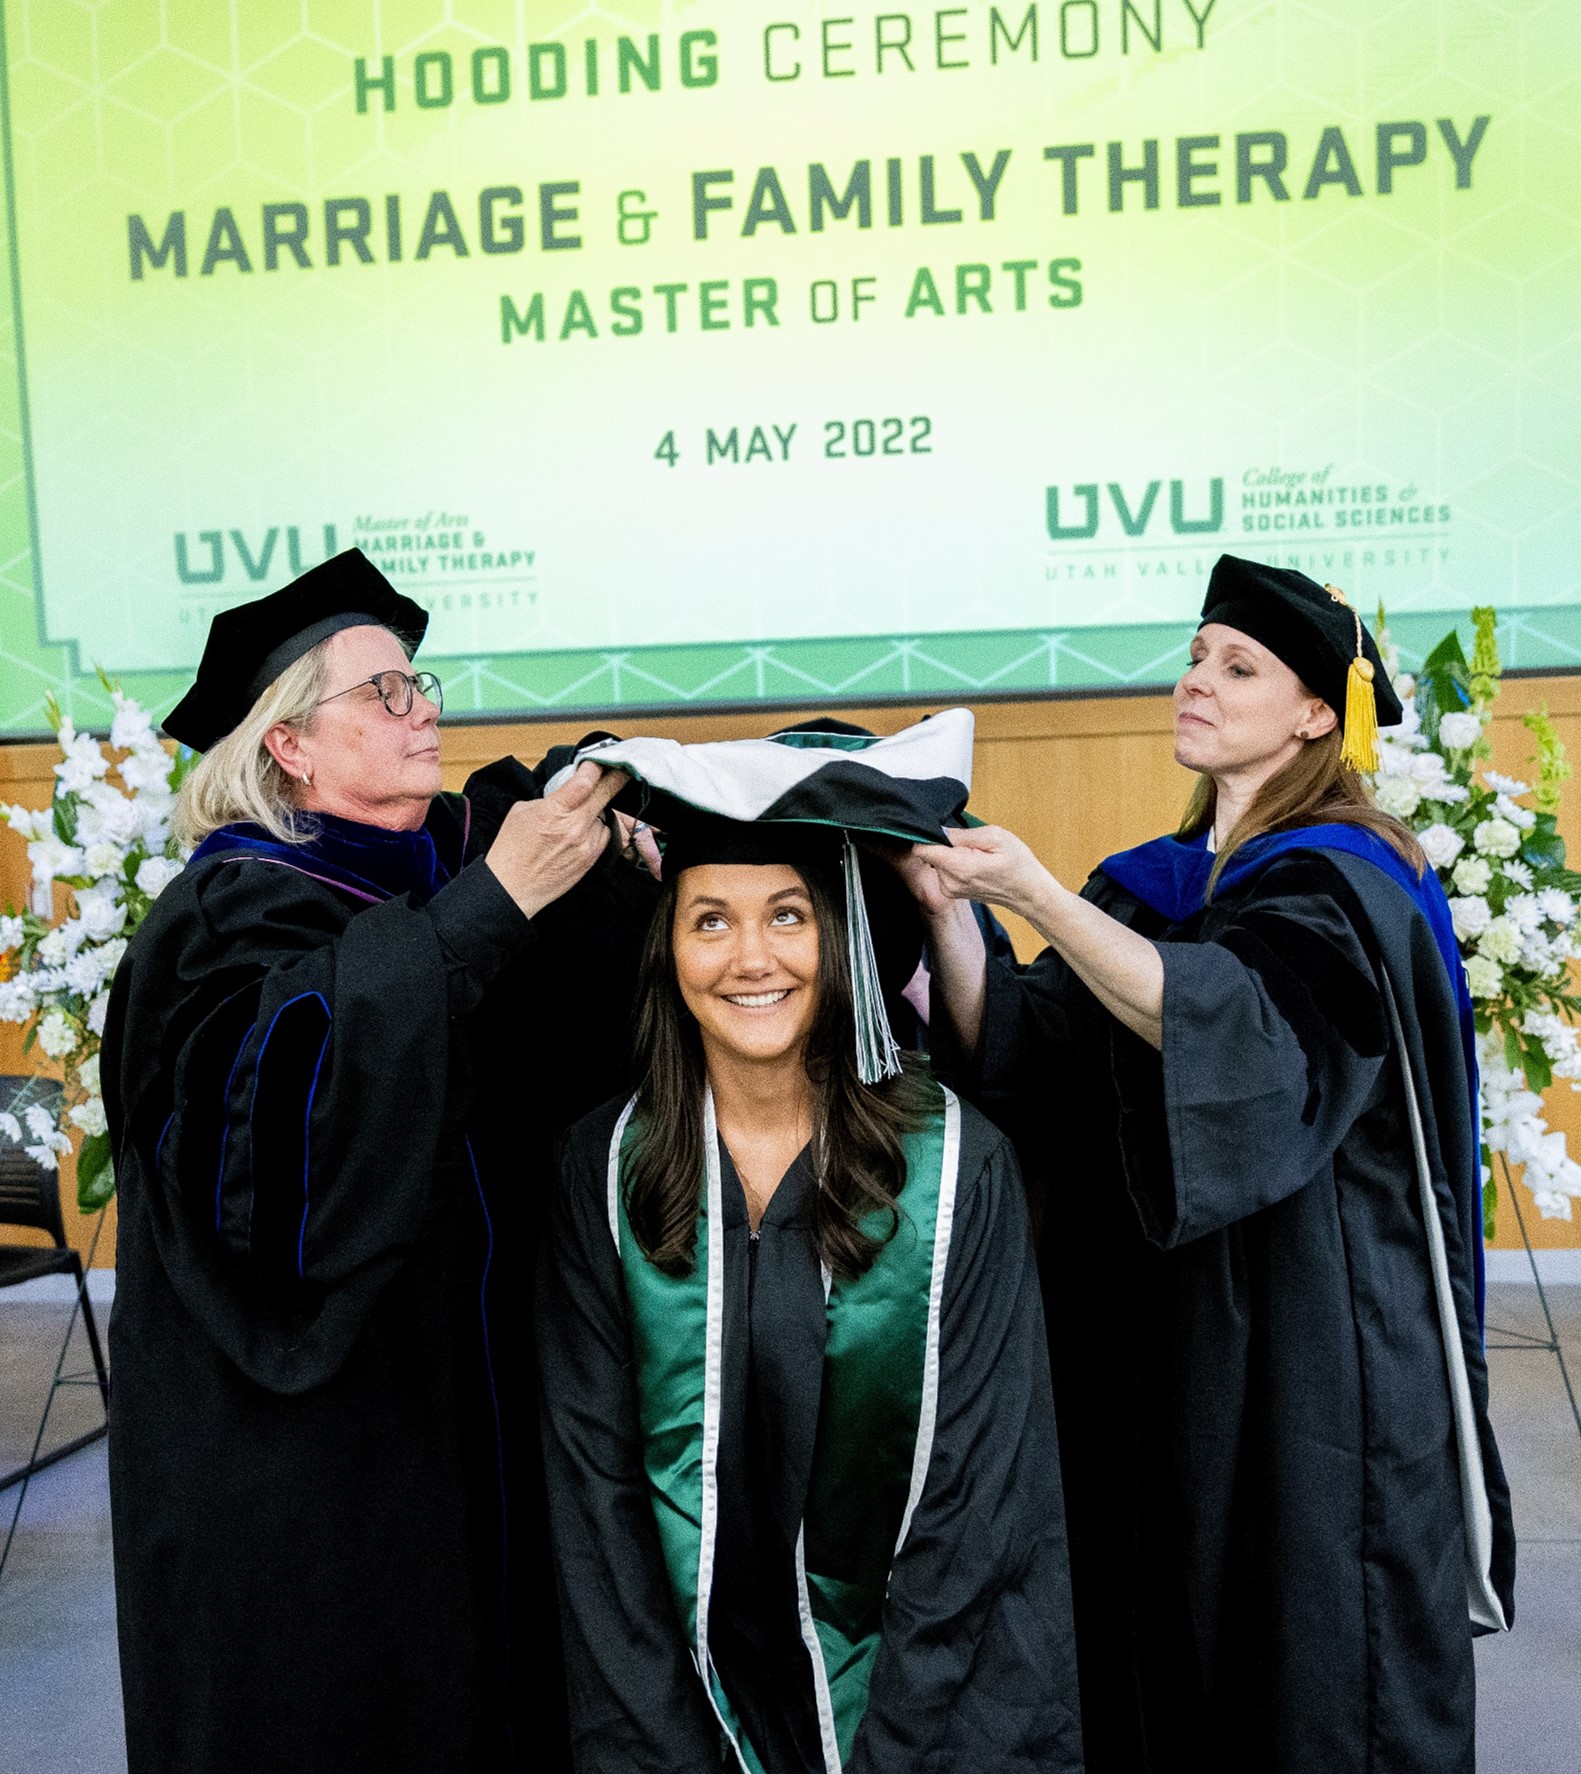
(106, 836)
(1516, 905)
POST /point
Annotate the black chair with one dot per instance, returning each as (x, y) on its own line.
(30, 1196)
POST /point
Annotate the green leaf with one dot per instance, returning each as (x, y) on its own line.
(1537, 1066)
(1490, 1202)
(1542, 846)
(1513, 1057)
(1443, 685)
(95, 1173)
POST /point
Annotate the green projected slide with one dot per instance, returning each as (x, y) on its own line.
(688, 351)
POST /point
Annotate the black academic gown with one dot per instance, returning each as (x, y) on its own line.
(1268, 1557)
(324, 1478)
(975, 1669)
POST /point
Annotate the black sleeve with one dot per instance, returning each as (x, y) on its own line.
(290, 1124)
(976, 1668)
(1273, 1040)
(637, 1704)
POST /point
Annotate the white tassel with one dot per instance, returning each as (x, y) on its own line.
(877, 1051)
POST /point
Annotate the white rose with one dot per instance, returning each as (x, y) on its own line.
(56, 1035)
(88, 1072)
(100, 910)
(52, 951)
(1472, 875)
(1501, 942)
(89, 1116)
(1484, 977)
(1427, 767)
(97, 1012)
(1398, 795)
(156, 874)
(1460, 732)
(102, 859)
(1470, 916)
(1496, 837)
(1442, 844)
(12, 930)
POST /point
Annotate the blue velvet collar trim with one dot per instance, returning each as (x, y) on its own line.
(366, 861)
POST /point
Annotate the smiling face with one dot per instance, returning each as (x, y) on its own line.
(362, 762)
(1239, 710)
(745, 942)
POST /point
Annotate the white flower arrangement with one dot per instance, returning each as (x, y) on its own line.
(106, 836)
(1515, 905)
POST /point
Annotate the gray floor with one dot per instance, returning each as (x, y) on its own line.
(60, 1694)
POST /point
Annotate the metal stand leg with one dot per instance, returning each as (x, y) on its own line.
(1519, 1340)
(34, 1463)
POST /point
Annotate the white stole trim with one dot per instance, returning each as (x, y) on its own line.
(1483, 1601)
(943, 1226)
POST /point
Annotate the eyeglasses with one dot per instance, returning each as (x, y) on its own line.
(396, 690)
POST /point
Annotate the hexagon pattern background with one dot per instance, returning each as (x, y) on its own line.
(1428, 340)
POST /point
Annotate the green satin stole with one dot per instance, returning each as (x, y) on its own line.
(878, 1401)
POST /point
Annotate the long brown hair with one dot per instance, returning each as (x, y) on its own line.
(858, 1157)
(1314, 787)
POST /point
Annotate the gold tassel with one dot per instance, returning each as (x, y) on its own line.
(1360, 749)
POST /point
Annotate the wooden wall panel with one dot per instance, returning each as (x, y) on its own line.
(1076, 778)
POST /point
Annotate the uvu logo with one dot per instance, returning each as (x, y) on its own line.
(1133, 519)
(254, 565)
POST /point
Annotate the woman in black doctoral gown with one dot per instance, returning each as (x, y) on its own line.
(323, 1500)
(1243, 1070)
(803, 1476)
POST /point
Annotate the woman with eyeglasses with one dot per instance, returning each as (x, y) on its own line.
(317, 1333)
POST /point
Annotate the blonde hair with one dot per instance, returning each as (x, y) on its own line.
(1315, 787)
(236, 780)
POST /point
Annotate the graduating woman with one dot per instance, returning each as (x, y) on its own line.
(1244, 1065)
(312, 1455)
(804, 1483)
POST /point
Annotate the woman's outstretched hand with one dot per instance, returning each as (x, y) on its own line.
(545, 847)
(985, 863)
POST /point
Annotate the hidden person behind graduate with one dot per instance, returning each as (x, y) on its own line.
(1244, 1069)
(803, 1476)
(319, 1330)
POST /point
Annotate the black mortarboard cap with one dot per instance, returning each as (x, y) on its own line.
(1312, 628)
(249, 646)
